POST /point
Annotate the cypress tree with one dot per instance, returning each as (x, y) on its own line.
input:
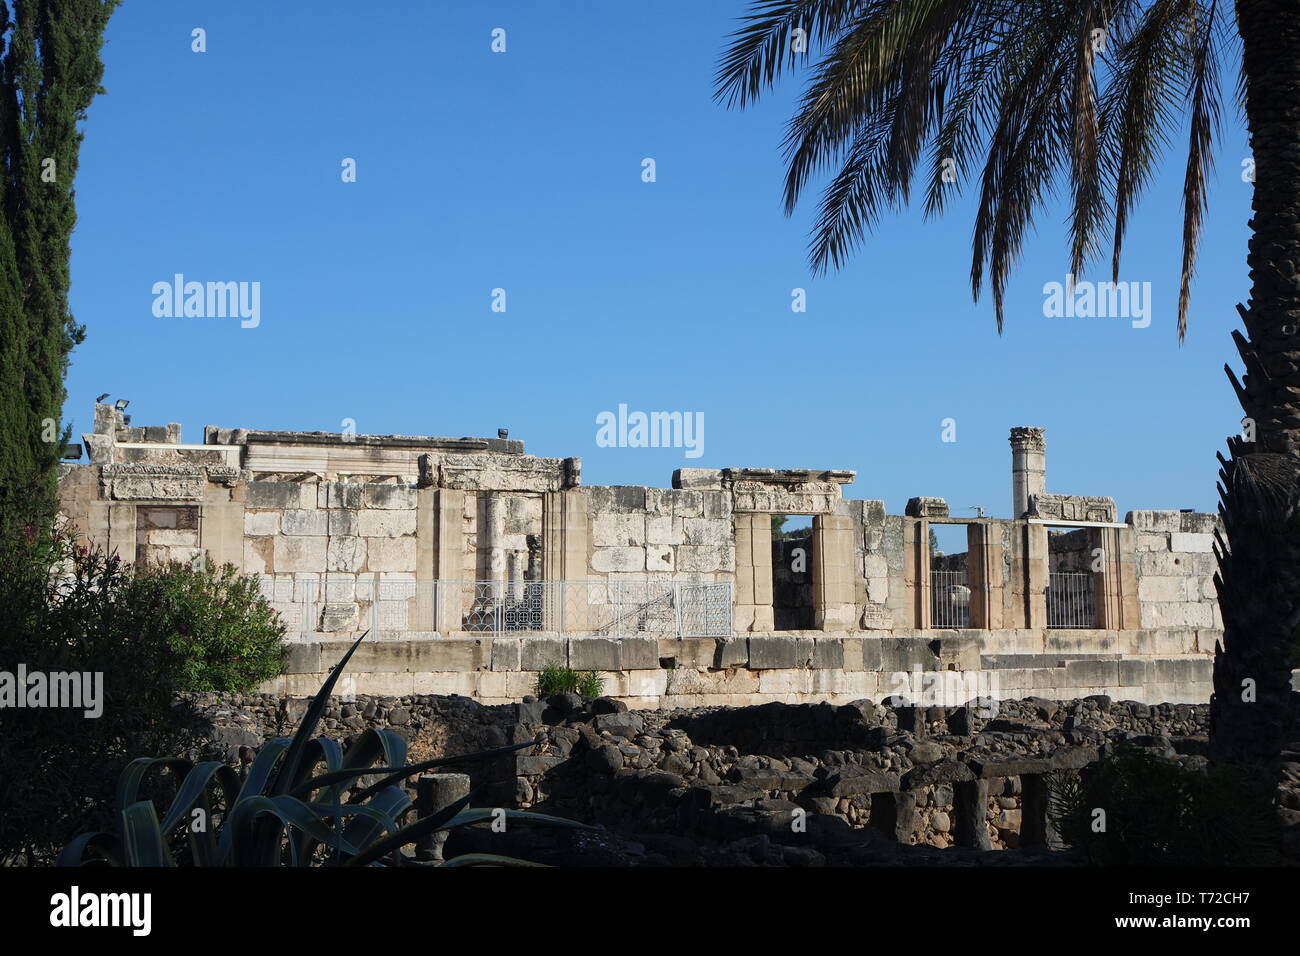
(50, 70)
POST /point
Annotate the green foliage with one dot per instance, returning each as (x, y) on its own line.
(289, 808)
(50, 70)
(1158, 813)
(150, 633)
(557, 679)
(60, 612)
(219, 630)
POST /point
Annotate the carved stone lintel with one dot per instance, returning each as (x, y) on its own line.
(152, 482)
(807, 498)
(1072, 507)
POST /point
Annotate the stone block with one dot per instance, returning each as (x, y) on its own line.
(388, 497)
(339, 617)
(705, 560)
(339, 494)
(605, 560)
(1154, 520)
(731, 652)
(506, 653)
(770, 653)
(828, 653)
(390, 554)
(302, 658)
(261, 522)
(346, 554)
(297, 521)
(664, 531)
(618, 530)
(706, 532)
(709, 478)
(299, 553)
(923, 507)
(639, 653)
(1183, 541)
(385, 524)
(594, 654)
(537, 652)
(272, 495)
(342, 522)
(659, 557)
(1157, 589)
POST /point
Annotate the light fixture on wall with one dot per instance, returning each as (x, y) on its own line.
(121, 404)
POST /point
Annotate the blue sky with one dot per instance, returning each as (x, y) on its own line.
(522, 170)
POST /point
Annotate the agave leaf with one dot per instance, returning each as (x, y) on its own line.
(246, 843)
(489, 859)
(379, 815)
(193, 794)
(409, 834)
(128, 783)
(304, 790)
(260, 772)
(142, 838)
(107, 845)
(319, 750)
(287, 778)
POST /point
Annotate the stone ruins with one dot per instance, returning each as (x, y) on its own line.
(474, 565)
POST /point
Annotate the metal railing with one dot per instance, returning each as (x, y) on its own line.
(949, 599)
(1069, 599)
(616, 608)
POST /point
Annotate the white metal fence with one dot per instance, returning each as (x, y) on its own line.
(1069, 599)
(949, 599)
(618, 608)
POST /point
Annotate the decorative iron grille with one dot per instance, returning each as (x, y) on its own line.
(1069, 599)
(949, 599)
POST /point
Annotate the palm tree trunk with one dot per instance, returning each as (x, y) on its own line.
(1252, 710)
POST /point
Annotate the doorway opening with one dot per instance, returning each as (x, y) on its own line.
(792, 573)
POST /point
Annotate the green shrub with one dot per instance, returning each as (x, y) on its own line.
(281, 811)
(219, 631)
(558, 679)
(149, 633)
(1157, 812)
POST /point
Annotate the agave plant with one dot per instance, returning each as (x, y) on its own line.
(280, 811)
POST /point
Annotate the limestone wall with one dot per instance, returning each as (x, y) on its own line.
(1175, 568)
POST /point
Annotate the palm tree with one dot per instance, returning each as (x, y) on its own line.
(1085, 93)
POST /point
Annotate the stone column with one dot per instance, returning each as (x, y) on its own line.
(1028, 468)
(970, 804)
(834, 575)
(490, 541)
(565, 524)
(435, 792)
(753, 572)
(984, 577)
(1034, 558)
(1036, 828)
(449, 518)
